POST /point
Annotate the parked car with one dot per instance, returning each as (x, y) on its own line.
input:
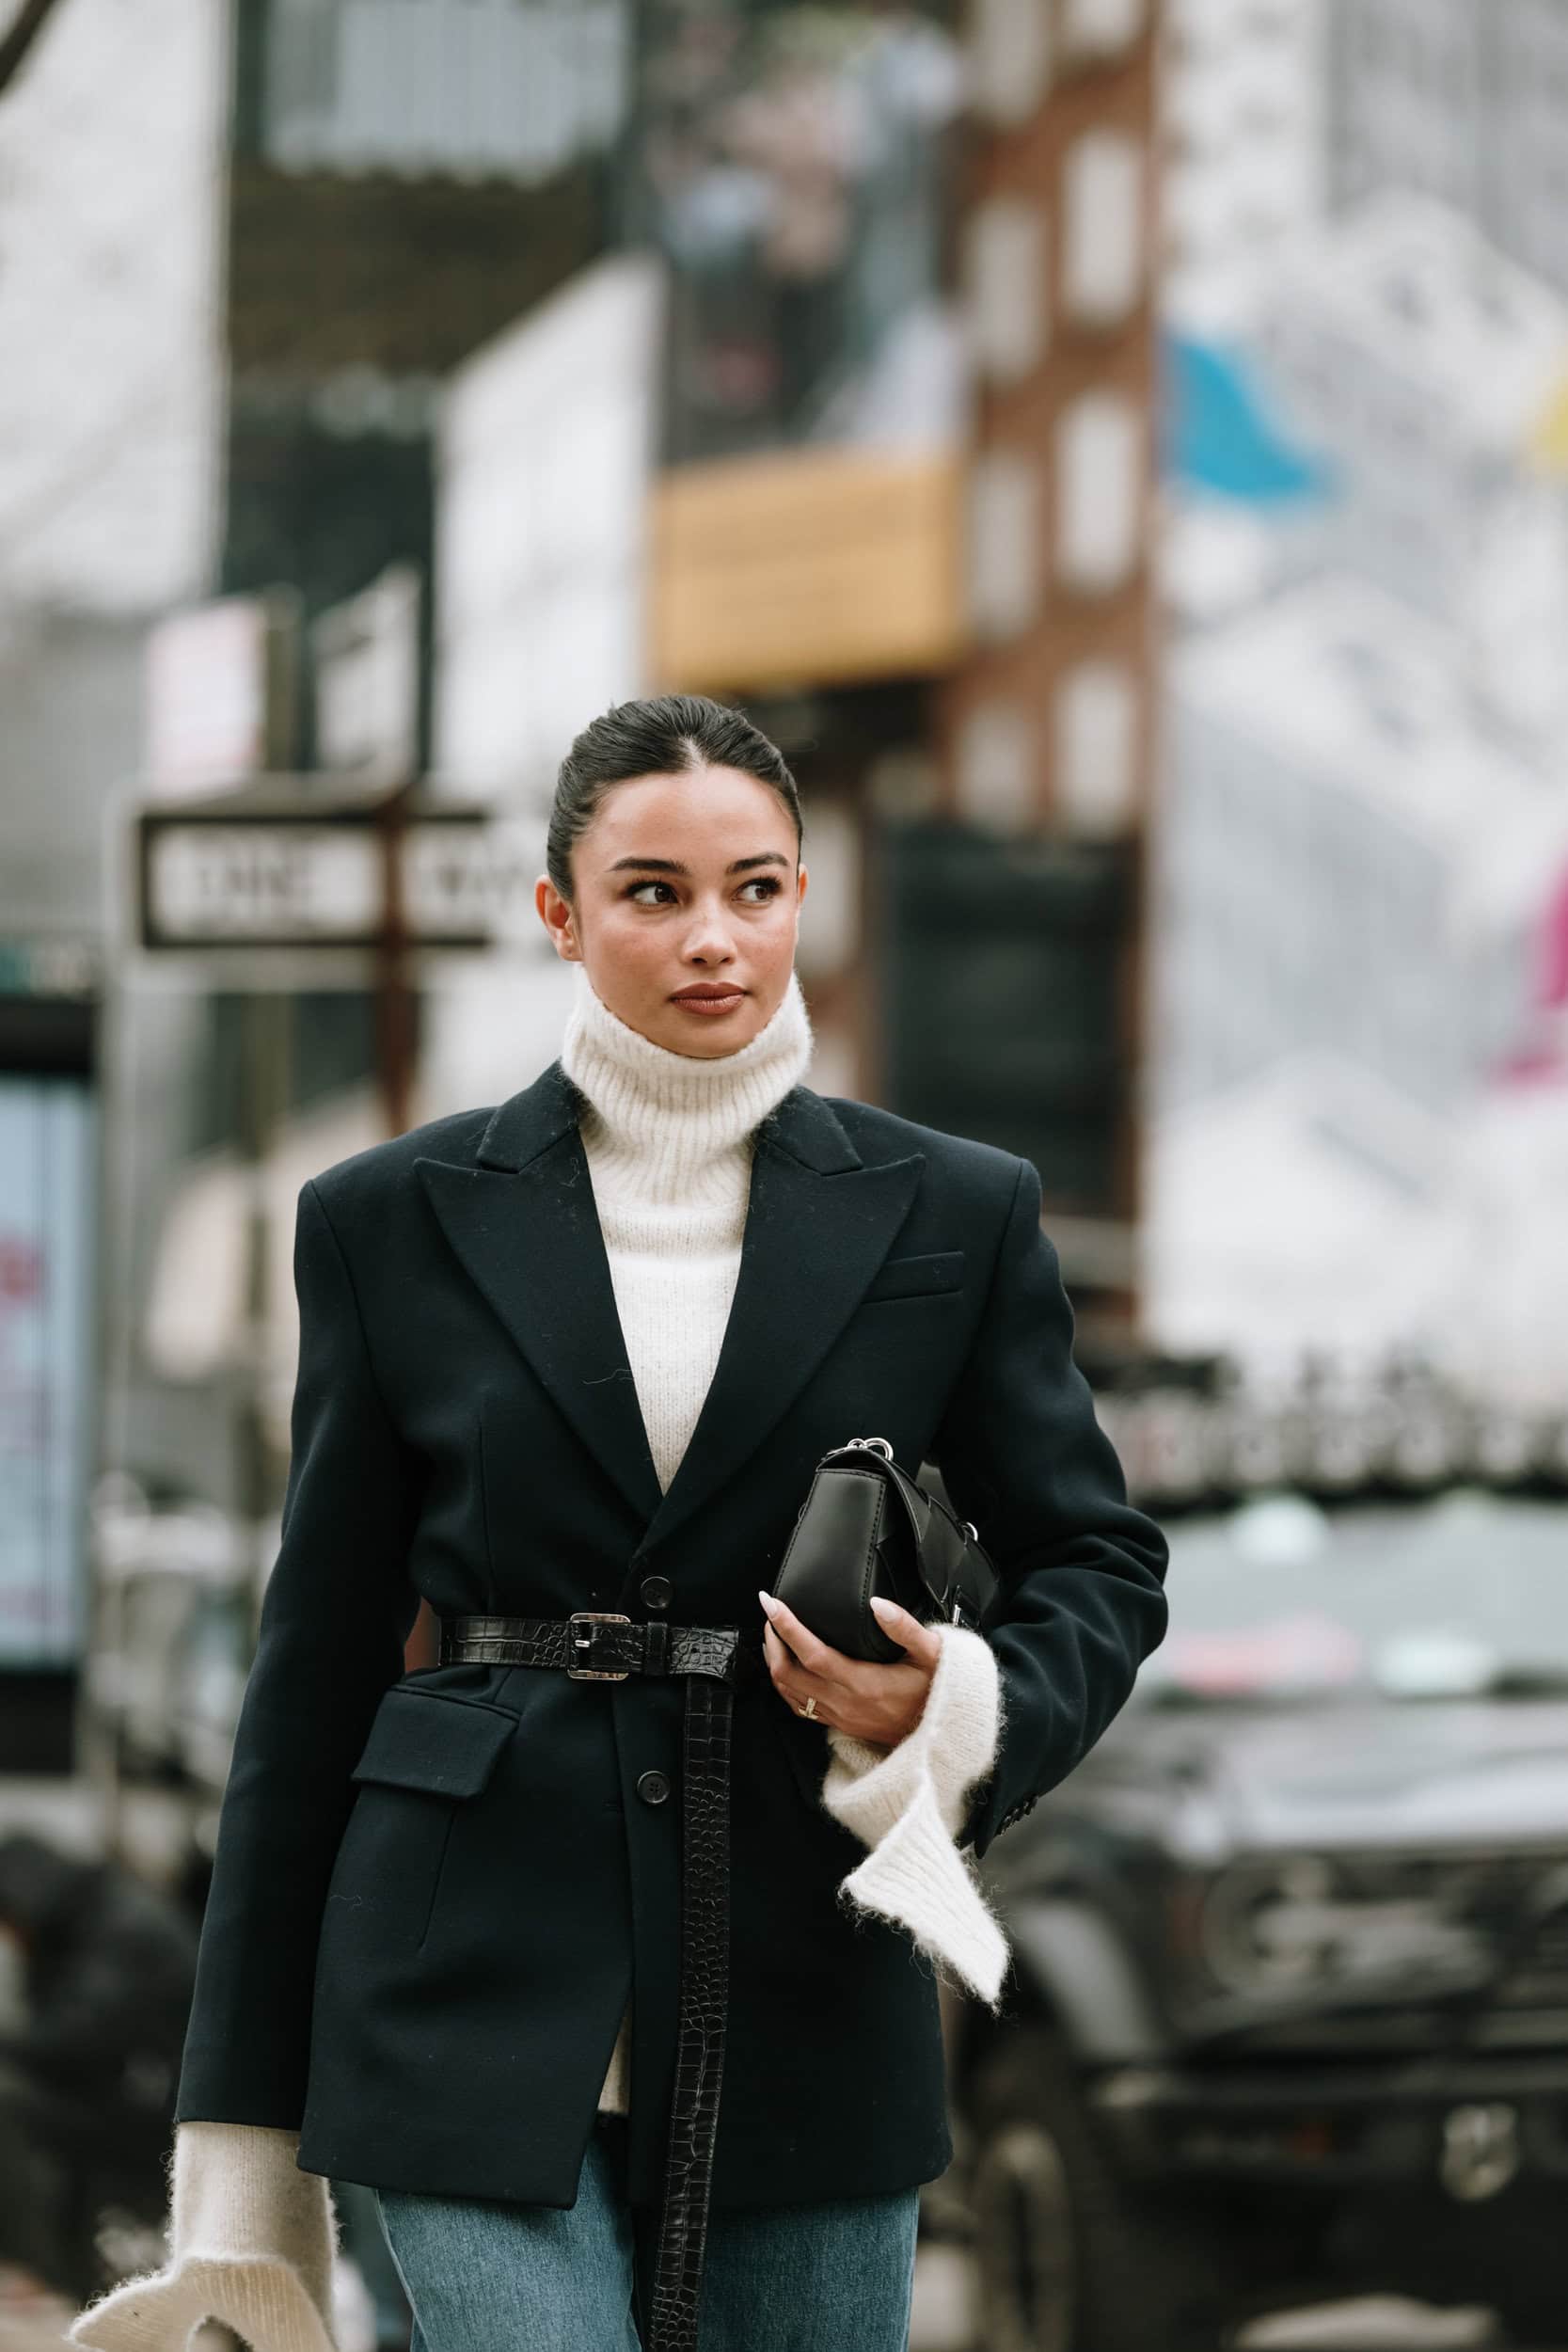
(1290, 2016)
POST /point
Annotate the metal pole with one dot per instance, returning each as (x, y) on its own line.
(396, 1050)
(257, 1474)
(394, 996)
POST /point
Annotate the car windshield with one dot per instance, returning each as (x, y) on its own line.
(1464, 1595)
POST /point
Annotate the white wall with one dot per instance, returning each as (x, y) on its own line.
(111, 219)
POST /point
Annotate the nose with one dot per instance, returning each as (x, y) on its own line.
(707, 938)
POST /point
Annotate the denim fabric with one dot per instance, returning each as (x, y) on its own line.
(482, 2275)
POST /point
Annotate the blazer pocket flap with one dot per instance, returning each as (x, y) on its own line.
(433, 1740)
(906, 1278)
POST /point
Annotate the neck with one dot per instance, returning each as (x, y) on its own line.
(683, 1108)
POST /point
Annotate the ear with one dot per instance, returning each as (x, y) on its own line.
(556, 914)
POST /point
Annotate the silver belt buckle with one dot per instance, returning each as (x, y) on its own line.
(585, 1641)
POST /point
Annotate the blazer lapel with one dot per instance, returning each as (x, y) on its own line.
(524, 1226)
(819, 1221)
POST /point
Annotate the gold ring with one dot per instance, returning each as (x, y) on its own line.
(810, 1708)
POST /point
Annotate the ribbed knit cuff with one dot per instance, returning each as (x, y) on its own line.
(251, 2243)
(906, 1804)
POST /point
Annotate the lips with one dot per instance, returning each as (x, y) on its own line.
(708, 996)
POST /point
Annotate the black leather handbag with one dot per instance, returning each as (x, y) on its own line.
(866, 1528)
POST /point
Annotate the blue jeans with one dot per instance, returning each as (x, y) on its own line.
(482, 2275)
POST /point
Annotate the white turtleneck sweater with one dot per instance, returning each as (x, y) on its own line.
(669, 1138)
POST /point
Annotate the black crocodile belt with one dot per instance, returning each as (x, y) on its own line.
(596, 1646)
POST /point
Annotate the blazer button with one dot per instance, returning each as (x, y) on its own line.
(656, 1591)
(653, 1787)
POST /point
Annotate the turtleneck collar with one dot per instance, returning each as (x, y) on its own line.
(681, 1108)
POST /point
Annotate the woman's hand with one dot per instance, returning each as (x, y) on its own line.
(879, 1704)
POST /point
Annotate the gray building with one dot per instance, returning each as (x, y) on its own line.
(1466, 99)
(1425, 368)
(1350, 862)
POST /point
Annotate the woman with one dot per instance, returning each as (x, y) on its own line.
(573, 1360)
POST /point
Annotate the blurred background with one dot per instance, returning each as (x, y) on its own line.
(1120, 449)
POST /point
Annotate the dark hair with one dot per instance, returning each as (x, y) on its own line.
(658, 736)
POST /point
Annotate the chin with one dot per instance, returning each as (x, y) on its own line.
(706, 1039)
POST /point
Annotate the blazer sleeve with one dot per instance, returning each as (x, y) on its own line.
(1023, 1456)
(336, 1612)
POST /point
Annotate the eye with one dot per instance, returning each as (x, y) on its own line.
(636, 887)
(768, 882)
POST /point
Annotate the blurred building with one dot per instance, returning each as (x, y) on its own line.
(1364, 829)
(545, 456)
(402, 184)
(1465, 99)
(434, 377)
(1046, 721)
(110, 408)
(1242, 131)
(1354, 863)
(399, 185)
(898, 435)
(243, 243)
(1430, 371)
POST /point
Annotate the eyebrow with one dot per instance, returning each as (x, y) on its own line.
(673, 865)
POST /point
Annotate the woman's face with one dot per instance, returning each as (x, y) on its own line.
(684, 882)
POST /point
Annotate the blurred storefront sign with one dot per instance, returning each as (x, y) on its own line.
(220, 695)
(367, 678)
(1199, 1432)
(806, 565)
(46, 1369)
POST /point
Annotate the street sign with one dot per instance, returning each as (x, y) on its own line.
(282, 866)
(256, 884)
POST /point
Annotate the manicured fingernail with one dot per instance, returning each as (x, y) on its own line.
(767, 1600)
(884, 1608)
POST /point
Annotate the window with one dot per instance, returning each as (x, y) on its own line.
(1099, 493)
(1010, 58)
(1100, 29)
(1097, 725)
(1005, 270)
(1103, 227)
(1004, 543)
(996, 767)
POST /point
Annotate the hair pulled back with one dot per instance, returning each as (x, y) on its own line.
(657, 735)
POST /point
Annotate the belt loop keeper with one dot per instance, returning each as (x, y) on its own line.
(656, 1650)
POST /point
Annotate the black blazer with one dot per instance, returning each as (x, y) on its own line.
(434, 1892)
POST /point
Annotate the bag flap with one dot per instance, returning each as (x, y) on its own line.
(435, 1740)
